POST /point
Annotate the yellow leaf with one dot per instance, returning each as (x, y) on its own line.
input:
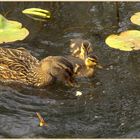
(136, 18)
(11, 30)
(37, 14)
(125, 41)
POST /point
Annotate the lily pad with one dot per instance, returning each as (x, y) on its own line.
(125, 41)
(11, 30)
(136, 18)
(37, 14)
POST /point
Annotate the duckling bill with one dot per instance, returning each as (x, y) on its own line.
(19, 65)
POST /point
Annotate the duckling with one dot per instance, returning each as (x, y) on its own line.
(80, 48)
(84, 68)
(18, 65)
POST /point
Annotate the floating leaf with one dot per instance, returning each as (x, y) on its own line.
(126, 41)
(136, 18)
(37, 14)
(11, 30)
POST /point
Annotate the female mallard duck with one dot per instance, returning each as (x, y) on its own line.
(84, 68)
(80, 48)
(20, 66)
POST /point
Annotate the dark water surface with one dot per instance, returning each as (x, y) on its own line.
(110, 104)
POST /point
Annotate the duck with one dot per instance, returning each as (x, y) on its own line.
(19, 65)
(84, 68)
(80, 48)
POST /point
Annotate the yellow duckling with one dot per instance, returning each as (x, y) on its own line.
(84, 68)
(20, 66)
(80, 48)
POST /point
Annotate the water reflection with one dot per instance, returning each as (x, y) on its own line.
(109, 105)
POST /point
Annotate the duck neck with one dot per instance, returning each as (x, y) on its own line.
(39, 75)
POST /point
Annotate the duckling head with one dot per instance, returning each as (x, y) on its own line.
(80, 48)
(91, 61)
(85, 49)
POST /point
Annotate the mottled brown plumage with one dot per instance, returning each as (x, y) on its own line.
(19, 65)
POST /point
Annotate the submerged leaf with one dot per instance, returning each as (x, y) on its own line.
(41, 120)
(37, 14)
(136, 18)
(11, 30)
(126, 41)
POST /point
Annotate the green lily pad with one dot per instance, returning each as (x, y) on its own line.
(136, 18)
(125, 41)
(11, 30)
(37, 14)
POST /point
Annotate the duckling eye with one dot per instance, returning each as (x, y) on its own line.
(93, 60)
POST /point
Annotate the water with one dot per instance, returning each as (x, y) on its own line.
(109, 105)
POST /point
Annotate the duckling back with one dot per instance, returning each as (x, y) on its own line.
(59, 68)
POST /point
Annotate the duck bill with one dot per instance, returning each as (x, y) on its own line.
(99, 66)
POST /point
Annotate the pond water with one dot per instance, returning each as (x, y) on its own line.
(110, 104)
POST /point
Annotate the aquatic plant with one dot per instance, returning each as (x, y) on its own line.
(41, 120)
(125, 41)
(128, 40)
(37, 14)
(135, 18)
(11, 30)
